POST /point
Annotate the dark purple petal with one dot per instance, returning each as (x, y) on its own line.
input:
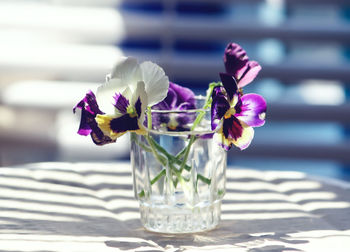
(232, 128)
(158, 119)
(226, 147)
(88, 125)
(178, 98)
(219, 107)
(238, 65)
(89, 110)
(229, 83)
(170, 100)
(89, 103)
(124, 123)
(138, 107)
(235, 58)
(183, 95)
(121, 103)
(252, 110)
(84, 127)
(80, 105)
(99, 138)
(207, 136)
(185, 106)
(184, 119)
(252, 70)
(218, 90)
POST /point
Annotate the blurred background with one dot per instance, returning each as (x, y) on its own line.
(53, 51)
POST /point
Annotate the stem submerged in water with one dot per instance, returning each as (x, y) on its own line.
(167, 159)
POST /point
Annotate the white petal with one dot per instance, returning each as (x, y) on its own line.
(128, 70)
(140, 92)
(156, 82)
(105, 93)
(127, 94)
(247, 136)
(125, 74)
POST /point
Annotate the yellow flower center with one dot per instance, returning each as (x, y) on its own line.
(131, 111)
(172, 124)
(230, 112)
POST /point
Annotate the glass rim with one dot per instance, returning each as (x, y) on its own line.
(198, 131)
(181, 133)
(196, 110)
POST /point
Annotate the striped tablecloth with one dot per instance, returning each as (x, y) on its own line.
(90, 207)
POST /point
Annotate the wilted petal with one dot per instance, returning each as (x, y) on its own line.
(99, 138)
(89, 103)
(252, 110)
(84, 126)
(156, 82)
(252, 70)
(89, 110)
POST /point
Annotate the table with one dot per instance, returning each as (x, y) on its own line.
(90, 207)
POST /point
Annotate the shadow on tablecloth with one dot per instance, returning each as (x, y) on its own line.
(75, 203)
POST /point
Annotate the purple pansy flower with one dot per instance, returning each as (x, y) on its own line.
(178, 98)
(128, 91)
(127, 115)
(238, 65)
(88, 125)
(120, 103)
(240, 113)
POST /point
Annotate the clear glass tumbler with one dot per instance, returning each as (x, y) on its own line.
(178, 173)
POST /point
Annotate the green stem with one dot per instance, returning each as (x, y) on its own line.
(187, 152)
(172, 159)
(154, 180)
(142, 145)
(204, 179)
(196, 122)
(149, 118)
(161, 159)
(155, 147)
(159, 175)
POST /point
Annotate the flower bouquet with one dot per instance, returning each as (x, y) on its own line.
(178, 140)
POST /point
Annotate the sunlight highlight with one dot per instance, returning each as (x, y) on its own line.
(264, 216)
(19, 214)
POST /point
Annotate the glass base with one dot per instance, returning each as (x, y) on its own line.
(180, 219)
